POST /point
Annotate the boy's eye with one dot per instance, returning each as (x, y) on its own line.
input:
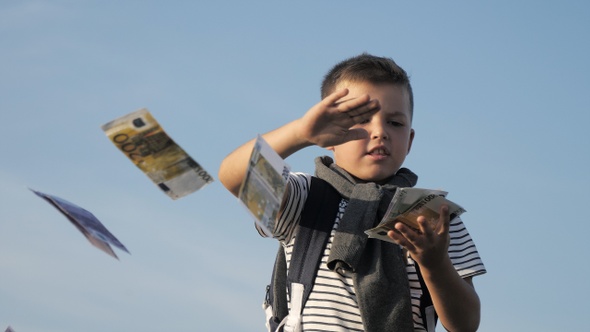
(396, 123)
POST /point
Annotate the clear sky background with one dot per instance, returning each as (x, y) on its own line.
(502, 122)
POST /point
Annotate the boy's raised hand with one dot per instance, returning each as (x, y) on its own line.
(329, 122)
(326, 124)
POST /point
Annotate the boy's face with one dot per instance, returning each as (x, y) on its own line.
(390, 134)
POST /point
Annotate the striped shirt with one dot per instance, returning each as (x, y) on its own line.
(332, 304)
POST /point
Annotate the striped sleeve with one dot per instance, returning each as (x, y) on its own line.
(462, 251)
(292, 206)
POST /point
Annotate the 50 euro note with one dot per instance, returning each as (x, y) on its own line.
(141, 138)
(264, 185)
(408, 204)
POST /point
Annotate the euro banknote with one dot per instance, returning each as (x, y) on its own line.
(264, 185)
(94, 231)
(141, 138)
(408, 204)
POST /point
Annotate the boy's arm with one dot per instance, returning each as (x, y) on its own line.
(325, 124)
(233, 168)
(455, 300)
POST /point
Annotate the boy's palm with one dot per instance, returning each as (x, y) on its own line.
(329, 122)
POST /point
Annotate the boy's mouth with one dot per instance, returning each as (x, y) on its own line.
(378, 151)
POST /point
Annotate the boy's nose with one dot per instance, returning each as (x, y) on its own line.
(378, 132)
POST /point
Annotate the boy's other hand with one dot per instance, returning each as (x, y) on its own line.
(428, 245)
(329, 122)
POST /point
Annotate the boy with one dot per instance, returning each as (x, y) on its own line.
(365, 119)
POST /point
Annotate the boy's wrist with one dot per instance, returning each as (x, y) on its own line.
(437, 266)
(301, 140)
(287, 139)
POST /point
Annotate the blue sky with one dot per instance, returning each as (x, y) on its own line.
(501, 120)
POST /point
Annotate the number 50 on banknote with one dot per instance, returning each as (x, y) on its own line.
(141, 138)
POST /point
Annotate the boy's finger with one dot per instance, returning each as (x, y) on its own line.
(424, 225)
(400, 239)
(356, 134)
(444, 219)
(333, 98)
(364, 111)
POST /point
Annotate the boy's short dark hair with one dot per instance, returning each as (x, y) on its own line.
(367, 68)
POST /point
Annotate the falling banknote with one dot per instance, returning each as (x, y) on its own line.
(139, 136)
(264, 185)
(86, 223)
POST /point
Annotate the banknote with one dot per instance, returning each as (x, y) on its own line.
(141, 138)
(264, 185)
(96, 233)
(405, 198)
(408, 204)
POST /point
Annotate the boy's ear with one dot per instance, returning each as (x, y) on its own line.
(412, 133)
(331, 148)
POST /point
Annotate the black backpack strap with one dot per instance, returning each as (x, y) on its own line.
(429, 316)
(276, 296)
(317, 221)
(312, 234)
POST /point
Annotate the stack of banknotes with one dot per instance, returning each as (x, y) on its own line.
(408, 204)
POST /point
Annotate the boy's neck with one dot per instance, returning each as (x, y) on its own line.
(380, 182)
